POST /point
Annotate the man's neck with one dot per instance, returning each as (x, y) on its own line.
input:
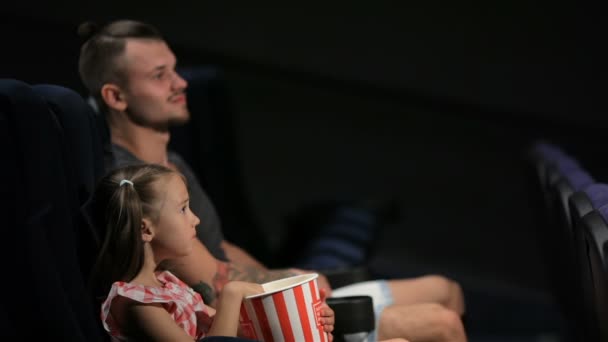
(147, 144)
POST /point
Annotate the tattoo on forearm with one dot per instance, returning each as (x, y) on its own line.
(228, 271)
(205, 291)
(221, 276)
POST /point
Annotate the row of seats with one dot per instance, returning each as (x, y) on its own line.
(54, 146)
(575, 229)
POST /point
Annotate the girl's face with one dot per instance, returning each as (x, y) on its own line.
(174, 231)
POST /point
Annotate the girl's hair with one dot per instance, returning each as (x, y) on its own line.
(121, 200)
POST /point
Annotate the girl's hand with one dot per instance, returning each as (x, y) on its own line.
(327, 316)
(226, 319)
(242, 289)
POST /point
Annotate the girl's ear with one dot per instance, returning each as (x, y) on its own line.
(147, 232)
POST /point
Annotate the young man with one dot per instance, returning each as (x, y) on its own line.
(130, 71)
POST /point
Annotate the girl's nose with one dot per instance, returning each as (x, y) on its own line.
(196, 220)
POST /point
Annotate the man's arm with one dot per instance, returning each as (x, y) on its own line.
(198, 267)
(207, 275)
(239, 256)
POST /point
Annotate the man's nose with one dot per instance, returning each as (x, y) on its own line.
(178, 82)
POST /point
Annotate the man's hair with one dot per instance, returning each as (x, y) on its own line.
(98, 63)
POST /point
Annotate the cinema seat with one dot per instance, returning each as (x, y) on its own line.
(595, 286)
(40, 245)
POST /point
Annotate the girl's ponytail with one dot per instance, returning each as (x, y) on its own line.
(122, 200)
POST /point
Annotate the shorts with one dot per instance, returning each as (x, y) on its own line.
(377, 289)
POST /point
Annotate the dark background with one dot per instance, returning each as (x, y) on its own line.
(433, 102)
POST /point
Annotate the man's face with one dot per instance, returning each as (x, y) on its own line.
(154, 92)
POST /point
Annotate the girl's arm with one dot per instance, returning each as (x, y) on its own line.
(151, 322)
(207, 275)
(226, 319)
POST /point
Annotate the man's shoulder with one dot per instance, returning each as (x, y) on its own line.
(121, 157)
(175, 157)
(180, 162)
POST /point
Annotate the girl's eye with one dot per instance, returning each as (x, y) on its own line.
(183, 210)
(159, 76)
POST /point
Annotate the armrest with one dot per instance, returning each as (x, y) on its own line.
(354, 316)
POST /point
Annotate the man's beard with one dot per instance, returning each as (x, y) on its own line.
(174, 120)
(179, 121)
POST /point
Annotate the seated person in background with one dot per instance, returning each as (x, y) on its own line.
(130, 71)
(146, 215)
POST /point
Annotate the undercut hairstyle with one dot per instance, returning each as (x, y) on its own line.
(99, 61)
(122, 199)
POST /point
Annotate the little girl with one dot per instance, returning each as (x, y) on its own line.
(144, 212)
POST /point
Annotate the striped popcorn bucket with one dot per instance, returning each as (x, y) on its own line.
(288, 310)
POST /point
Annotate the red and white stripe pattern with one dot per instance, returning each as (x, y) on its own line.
(291, 315)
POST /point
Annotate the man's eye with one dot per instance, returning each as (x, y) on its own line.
(159, 76)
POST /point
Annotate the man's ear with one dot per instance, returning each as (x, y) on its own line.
(147, 231)
(114, 97)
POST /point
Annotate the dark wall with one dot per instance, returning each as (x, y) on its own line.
(511, 55)
(38, 50)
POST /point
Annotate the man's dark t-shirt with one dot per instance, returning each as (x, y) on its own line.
(209, 231)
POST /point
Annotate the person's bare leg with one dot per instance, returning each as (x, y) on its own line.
(428, 289)
(426, 322)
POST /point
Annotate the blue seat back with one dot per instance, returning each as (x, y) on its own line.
(41, 241)
(83, 161)
(595, 284)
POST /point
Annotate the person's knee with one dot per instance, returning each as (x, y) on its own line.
(449, 325)
(451, 295)
(438, 281)
(457, 298)
(442, 285)
(389, 319)
(432, 322)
